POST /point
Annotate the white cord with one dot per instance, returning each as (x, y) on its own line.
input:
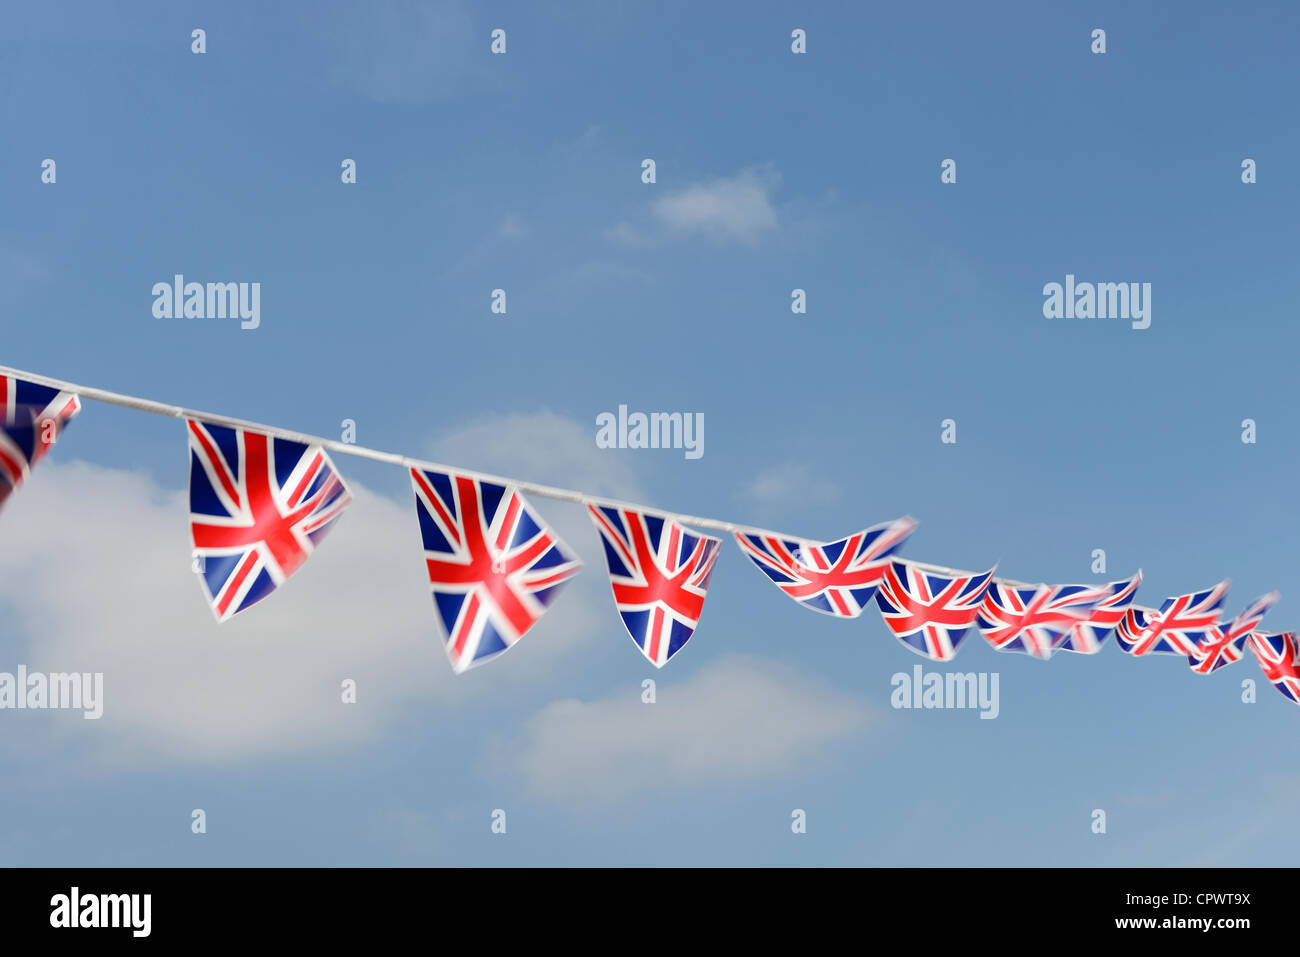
(390, 458)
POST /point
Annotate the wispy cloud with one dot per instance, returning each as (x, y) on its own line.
(625, 234)
(791, 483)
(409, 51)
(545, 447)
(737, 720)
(512, 228)
(734, 208)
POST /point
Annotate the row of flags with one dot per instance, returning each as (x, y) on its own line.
(261, 504)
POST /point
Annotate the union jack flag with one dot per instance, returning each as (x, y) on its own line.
(660, 574)
(1087, 637)
(836, 578)
(31, 418)
(494, 566)
(259, 506)
(1225, 644)
(1279, 657)
(1034, 621)
(929, 612)
(1177, 628)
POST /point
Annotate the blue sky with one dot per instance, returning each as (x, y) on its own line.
(775, 171)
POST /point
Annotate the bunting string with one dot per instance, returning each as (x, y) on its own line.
(262, 498)
(360, 451)
(392, 458)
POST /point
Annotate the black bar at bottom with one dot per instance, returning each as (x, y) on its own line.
(333, 906)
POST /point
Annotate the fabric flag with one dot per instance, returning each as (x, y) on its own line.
(1225, 644)
(1279, 658)
(1087, 637)
(31, 418)
(930, 612)
(834, 578)
(494, 566)
(1177, 628)
(660, 574)
(1034, 621)
(259, 506)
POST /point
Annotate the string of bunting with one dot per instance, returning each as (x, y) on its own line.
(262, 499)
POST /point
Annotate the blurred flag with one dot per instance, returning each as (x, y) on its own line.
(1087, 637)
(930, 612)
(31, 418)
(835, 578)
(1279, 658)
(1225, 644)
(1034, 621)
(1177, 628)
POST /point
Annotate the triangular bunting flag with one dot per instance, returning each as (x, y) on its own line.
(930, 612)
(1087, 637)
(1181, 624)
(834, 578)
(494, 566)
(31, 418)
(1279, 658)
(259, 506)
(1034, 621)
(660, 574)
(1225, 644)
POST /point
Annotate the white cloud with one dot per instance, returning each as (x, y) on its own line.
(738, 208)
(625, 234)
(408, 51)
(737, 720)
(791, 483)
(586, 143)
(102, 582)
(512, 228)
(543, 447)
